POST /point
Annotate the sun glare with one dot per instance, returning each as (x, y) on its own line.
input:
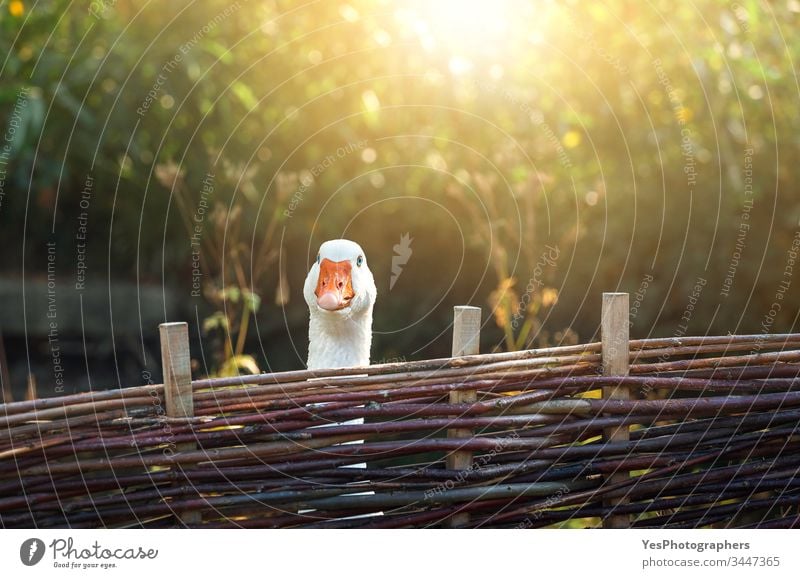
(467, 30)
(469, 20)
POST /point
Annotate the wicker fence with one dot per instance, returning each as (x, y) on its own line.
(677, 432)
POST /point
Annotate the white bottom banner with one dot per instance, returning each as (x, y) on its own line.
(401, 553)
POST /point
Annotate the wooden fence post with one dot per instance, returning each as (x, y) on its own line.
(615, 337)
(178, 399)
(466, 341)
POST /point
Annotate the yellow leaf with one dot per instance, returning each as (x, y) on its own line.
(238, 365)
(572, 139)
(684, 115)
(370, 100)
(501, 299)
(549, 296)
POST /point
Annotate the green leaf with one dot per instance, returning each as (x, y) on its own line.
(245, 95)
(252, 301)
(217, 320)
(232, 294)
(237, 365)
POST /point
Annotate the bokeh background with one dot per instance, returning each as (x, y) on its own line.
(184, 160)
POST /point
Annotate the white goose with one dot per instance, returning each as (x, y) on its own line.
(340, 293)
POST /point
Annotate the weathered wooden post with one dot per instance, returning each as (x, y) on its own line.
(615, 337)
(466, 341)
(177, 370)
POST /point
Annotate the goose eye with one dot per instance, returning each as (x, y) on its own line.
(360, 260)
(318, 259)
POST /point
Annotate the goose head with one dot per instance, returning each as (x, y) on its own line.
(340, 293)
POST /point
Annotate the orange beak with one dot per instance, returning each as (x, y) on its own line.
(335, 285)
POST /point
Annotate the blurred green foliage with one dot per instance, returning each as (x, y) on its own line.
(616, 132)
